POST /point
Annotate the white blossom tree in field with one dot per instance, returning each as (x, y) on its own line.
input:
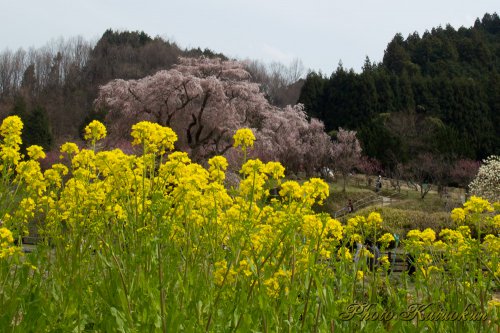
(487, 181)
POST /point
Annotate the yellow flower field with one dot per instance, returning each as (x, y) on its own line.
(156, 242)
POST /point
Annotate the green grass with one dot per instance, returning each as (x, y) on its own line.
(339, 199)
(431, 203)
(407, 212)
(408, 200)
(400, 221)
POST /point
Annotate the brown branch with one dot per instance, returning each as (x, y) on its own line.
(134, 95)
(200, 115)
(206, 138)
(188, 131)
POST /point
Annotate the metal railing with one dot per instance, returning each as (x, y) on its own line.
(370, 200)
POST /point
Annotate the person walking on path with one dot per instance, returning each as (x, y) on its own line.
(350, 207)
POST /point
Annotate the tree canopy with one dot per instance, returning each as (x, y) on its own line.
(205, 101)
(446, 76)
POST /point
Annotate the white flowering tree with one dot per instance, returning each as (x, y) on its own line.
(487, 182)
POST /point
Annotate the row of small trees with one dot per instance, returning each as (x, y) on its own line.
(425, 172)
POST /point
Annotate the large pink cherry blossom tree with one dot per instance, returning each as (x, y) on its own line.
(205, 101)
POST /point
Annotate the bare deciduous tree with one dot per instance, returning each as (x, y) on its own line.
(346, 153)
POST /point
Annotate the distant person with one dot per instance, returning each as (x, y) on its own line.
(350, 207)
(378, 184)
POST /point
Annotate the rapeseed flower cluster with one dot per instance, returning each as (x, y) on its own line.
(360, 229)
(35, 152)
(10, 130)
(94, 131)
(244, 138)
(420, 238)
(7, 249)
(153, 137)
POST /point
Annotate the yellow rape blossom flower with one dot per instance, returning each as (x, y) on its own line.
(333, 230)
(11, 130)
(344, 254)
(496, 221)
(315, 189)
(264, 236)
(244, 137)
(244, 267)
(60, 168)
(477, 205)
(353, 224)
(386, 238)
(218, 162)
(35, 152)
(153, 137)
(427, 271)
(70, 148)
(384, 262)
(290, 189)
(10, 155)
(428, 235)
(458, 215)
(274, 169)
(95, 131)
(251, 167)
(356, 238)
(324, 253)
(218, 166)
(465, 231)
(420, 238)
(374, 220)
(312, 226)
(413, 234)
(424, 259)
(6, 237)
(450, 236)
(275, 284)
(272, 287)
(491, 243)
(222, 275)
(6, 247)
(30, 172)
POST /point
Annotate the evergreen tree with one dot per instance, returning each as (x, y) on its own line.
(37, 129)
(311, 95)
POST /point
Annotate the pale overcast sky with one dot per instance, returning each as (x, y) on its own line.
(319, 32)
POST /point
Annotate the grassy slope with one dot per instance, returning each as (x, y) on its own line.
(400, 215)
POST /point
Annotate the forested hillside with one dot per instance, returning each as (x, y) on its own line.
(53, 88)
(438, 93)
